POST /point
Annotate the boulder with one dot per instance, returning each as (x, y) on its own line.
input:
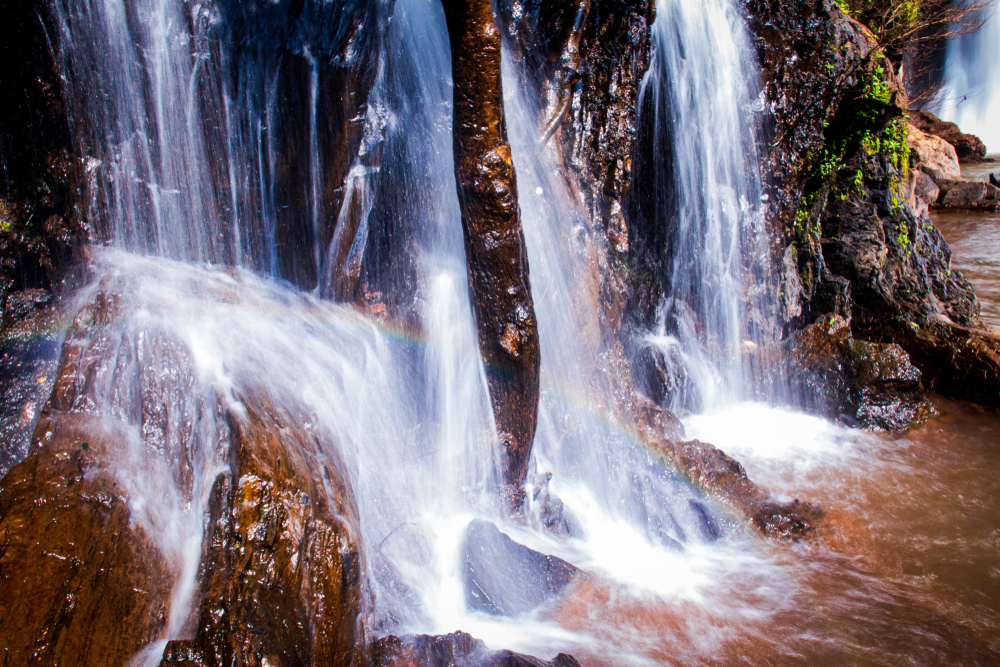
(962, 195)
(873, 385)
(995, 180)
(455, 650)
(713, 470)
(496, 256)
(968, 147)
(504, 578)
(934, 156)
(133, 461)
(992, 192)
(925, 188)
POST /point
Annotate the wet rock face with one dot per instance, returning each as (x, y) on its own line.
(73, 564)
(494, 240)
(586, 59)
(39, 226)
(135, 464)
(968, 147)
(285, 36)
(455, 650)
(865, 384)
(504, 578)
(714, 471)
(281, 570)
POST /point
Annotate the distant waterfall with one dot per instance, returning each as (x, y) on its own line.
(703, 88)
(971, 94)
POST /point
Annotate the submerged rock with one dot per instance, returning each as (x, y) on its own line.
(504, 578)
(713, 470)
(494, 240)
(963, 195)
(455, 650)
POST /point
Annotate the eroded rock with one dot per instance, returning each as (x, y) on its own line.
(494, 240)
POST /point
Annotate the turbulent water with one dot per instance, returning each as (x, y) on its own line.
(198, 157)
(971, 92)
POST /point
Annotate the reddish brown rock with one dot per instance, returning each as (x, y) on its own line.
(72, 564)
(711, 469)
(494, 241)
(281, 571)
(87, 581)
(722, 476)
(968, 147)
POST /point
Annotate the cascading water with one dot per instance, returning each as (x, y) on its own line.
(210, 143)
(188, 150)
(970, 95)
(702, 86)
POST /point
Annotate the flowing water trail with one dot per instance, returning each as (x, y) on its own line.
(703, 83)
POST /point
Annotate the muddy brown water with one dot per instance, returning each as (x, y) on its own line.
(907, 571)
(974, 238)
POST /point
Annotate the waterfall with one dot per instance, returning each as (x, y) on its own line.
(971, 92)
(703, 89)
(209, 132)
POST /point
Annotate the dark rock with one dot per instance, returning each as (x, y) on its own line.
(40, 230)
(968, 147)
(711, 469)
(494, 240)
(963, 195)
(455, 650)
(994, 180)
(868, 384)
(504, 578)
(27, 373)
(926, 188)
(992, 192)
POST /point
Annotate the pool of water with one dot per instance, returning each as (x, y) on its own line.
(974, 238)
(980, 171)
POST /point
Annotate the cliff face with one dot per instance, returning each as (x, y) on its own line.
(39, 225)
(854, 239)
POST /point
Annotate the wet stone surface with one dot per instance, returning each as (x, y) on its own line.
(494, 240)
(455, 650)
(504, 578)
